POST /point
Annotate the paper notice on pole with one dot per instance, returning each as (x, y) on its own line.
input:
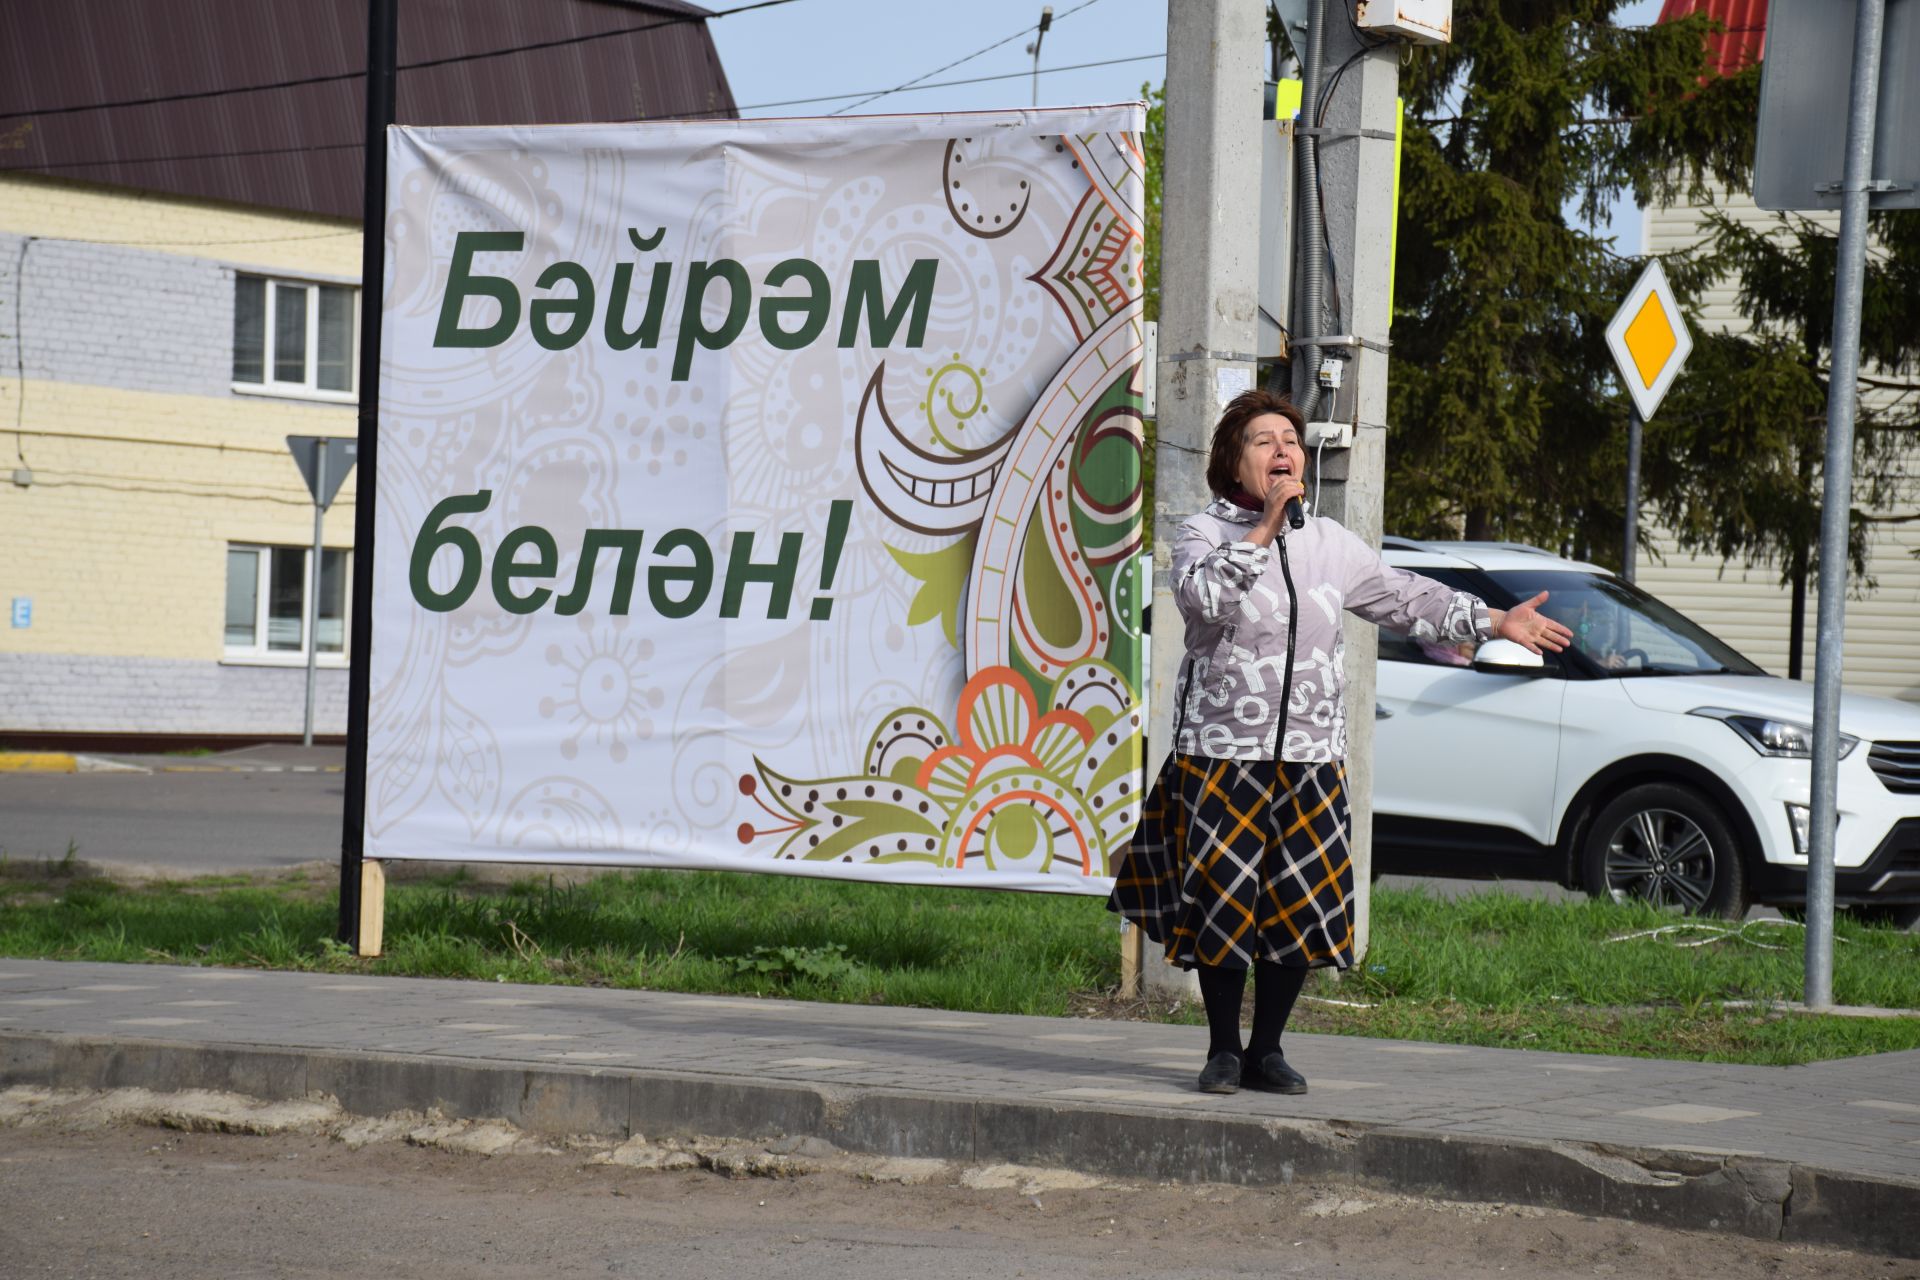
(1228, 383)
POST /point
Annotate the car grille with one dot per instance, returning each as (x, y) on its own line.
(1898, 764)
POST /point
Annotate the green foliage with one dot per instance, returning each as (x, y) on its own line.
(1508, 422)
(829, 963)
(1154, 150)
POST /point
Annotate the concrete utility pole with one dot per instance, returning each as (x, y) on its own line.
(1356, 116)
(1209, 301)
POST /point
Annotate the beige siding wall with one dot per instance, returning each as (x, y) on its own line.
(1751, 608)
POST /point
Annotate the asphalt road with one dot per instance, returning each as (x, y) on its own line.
(191, 823)
(199, 816)
(154, 1204)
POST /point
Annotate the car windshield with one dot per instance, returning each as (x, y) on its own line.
(1620, 630)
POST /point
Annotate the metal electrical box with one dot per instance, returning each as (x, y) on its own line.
(1805, 80)
(1421, 21)
(1276, 218)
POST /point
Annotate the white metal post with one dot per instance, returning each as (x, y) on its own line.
(1837, 497)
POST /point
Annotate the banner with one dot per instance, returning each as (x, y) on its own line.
(763, 495)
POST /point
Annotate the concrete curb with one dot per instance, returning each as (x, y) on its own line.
(1700, 1191)
(39, 762)
(62, 762)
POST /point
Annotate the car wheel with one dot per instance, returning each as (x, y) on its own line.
(1667, 845)
(1898, 915)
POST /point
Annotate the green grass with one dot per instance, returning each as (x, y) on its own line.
(1489, 969)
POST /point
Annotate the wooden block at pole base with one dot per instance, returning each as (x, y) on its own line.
(373, 907)
(1132, 946)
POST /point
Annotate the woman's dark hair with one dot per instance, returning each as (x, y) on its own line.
(1229, 436)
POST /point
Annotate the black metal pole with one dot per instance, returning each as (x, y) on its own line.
(1630, 552)
(382, 36)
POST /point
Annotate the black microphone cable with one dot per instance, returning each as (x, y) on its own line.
(1293, 618)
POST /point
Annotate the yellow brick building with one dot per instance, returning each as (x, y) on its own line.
(148, 470)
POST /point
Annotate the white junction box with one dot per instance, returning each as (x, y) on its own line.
(1422, 21)
(1332, 435)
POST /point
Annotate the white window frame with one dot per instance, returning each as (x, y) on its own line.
(258, 654)
(308, 388)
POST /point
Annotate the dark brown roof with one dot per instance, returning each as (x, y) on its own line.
(300, 147)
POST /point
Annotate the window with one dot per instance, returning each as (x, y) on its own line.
(295, 338)
(267, 602)
(1621, 631)
(1397, 646)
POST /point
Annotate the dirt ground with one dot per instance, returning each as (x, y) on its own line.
(136, 1185)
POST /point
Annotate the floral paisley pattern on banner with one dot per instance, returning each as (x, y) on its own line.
(763, 495)
(1039, 584)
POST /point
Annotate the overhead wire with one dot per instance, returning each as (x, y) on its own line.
(942, 84)
(693, 115)
(948, 67)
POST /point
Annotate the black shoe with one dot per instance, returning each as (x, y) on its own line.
(1272, 1074)
(1222, 1074)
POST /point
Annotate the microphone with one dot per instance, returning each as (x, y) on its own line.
(1296, 518)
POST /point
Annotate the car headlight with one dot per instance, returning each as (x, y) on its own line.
(1772, 737)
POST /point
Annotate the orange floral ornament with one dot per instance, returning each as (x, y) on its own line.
(1012, 791)
(1001, 730)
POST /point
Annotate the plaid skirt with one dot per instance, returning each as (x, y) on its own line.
(1238, 860)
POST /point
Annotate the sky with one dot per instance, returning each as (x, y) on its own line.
(839, 51)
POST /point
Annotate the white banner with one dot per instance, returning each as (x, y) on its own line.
(763, 495)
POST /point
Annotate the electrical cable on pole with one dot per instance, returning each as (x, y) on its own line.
(1311, 236)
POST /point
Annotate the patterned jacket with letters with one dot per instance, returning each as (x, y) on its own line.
(1233, 598)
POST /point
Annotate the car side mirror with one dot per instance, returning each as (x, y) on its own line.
(1507, 658)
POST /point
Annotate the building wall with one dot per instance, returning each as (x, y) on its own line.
(145, 463)
(1751, 608)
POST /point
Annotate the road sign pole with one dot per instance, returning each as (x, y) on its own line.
(1627, 553)
(1837, 498)
(313, 592)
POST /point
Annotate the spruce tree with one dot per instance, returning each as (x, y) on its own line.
(1507, 419)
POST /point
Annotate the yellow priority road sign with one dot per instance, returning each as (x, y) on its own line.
(1649, 339)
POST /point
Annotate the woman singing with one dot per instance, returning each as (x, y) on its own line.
(1240, 860)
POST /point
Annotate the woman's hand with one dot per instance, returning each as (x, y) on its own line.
(1527, 626)
(1283, 489)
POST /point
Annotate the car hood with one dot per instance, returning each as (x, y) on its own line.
(1862, 715)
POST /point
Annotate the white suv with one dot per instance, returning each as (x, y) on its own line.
(1649, 759)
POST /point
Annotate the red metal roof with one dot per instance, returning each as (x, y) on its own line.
(1743, 42)
(300, 147)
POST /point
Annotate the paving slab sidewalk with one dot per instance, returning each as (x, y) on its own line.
(1828, 1152)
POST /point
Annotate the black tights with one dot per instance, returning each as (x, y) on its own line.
(1275, 988)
